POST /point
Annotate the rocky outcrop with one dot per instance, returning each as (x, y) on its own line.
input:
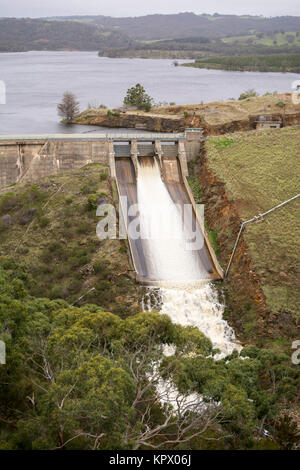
(214, 120)
(146, 121)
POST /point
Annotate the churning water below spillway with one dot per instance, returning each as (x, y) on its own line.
(170, 261)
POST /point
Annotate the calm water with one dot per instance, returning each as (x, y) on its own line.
(35, 82)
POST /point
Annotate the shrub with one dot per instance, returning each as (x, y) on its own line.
(7, 220)
(87, 189)
(83, 227)
(8, 202)
(26, 215)
(102, 268)
(44, 222)
(57, 292)
(92, 203)
(248, 94)
(185, 113)
(281, 104)
(78, 261)
(103, 176)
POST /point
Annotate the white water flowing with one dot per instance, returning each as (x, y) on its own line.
(198, 307)
(169, 260)
(161, 229)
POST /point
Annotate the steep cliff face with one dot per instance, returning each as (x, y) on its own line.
(215, 118)
(146, 121)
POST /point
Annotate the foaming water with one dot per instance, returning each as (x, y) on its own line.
(198, 307)
(161, 230)
(182, 290)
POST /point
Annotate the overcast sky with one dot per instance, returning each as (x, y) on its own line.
(38, 8)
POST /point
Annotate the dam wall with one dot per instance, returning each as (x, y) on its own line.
(154, 178)
(29, 158)
(146, 167)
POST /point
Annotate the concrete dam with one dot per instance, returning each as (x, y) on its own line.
(150, 171)
(132, 159)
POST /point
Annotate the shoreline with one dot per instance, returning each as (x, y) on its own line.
(219, 117)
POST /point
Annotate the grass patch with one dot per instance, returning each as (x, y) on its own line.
(261, 169)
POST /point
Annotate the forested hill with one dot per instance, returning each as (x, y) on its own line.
(37, 34)
(102, 33)
(189, 24)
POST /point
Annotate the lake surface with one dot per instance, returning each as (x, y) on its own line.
(35, 82)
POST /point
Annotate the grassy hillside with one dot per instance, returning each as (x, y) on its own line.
(48, 235)
(270, 39)
(261, 169)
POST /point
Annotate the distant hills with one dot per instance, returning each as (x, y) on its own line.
(102, 32)
(186, 25)
(17, 35)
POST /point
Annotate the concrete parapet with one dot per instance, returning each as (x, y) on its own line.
(111, 160)
(193, 139)
(182, 158)
(28, 158)
(134, 152)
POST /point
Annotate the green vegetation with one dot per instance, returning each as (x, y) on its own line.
(263, 63)
(248, 94)
(224, 142)
(50, 229)
(266, 39)
(137, 97)
(79, 378)
(261, 170)
(194, 49)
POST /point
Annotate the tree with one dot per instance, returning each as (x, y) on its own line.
(137, 96)
(69, 107)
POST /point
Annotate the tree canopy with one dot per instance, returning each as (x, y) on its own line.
(69, 107)
(137, 96)
(83, 378)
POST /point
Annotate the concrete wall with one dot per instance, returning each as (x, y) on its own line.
(33, 160)
(30, 158)
(193, 140)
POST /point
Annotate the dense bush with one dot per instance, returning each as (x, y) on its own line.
(100, 362)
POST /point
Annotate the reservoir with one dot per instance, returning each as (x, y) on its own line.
(35, 82)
